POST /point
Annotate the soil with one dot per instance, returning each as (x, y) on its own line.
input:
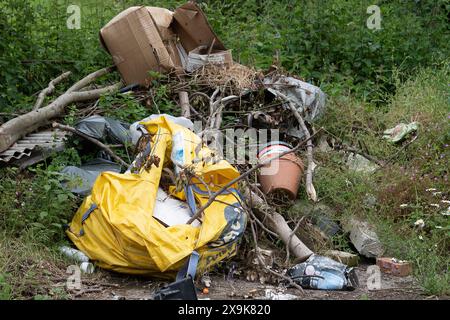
(110, 286)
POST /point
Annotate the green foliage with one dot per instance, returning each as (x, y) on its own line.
(328, 41)
(5, 288)
(122, 107)
(402, 189)
(38, 207)
(324, 42)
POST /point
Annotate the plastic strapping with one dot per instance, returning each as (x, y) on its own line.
(86, 215)
(189, 268)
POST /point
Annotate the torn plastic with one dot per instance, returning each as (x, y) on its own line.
(358, 163)
(80, 180)
(137, 129)
(199, 57)
(309, 99)
(323, 273)
(180, 212)
(106, 129)
(115, 225)
(400, 131)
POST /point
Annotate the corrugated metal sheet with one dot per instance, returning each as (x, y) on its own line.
(44, 140)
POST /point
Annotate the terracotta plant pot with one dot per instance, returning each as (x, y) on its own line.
(283, 174)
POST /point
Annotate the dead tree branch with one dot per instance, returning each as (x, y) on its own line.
(50, 88)
(310, 190)
(16, 128)
(279, 225)
(89, 78)
(184, 104)
(94, 141)
(242, 176)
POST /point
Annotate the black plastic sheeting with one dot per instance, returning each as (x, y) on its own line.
(80, 180)
(106, 129)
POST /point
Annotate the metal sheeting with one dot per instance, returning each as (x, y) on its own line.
(45, 140)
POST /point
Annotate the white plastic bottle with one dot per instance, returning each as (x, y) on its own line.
(74, 254)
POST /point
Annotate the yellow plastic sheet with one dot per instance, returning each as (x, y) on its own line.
(115, 226)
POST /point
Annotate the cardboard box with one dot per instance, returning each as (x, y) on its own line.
(193, 29)
(136, 44)
(141, 39)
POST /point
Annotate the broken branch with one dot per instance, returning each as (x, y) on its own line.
(310, 190)
(279, 225)
(94, 141)
(246, 174)
(18, 127)
(89, 78)
(184, 104)
(50, 88)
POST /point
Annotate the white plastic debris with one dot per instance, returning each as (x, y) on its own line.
(420, 223)
(87, 267)
(273, 294)
(358, 163)
(400, 131)
(206, 281)
(74, 254)
(171, 211)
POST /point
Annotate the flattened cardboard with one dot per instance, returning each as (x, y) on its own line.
(193, 29)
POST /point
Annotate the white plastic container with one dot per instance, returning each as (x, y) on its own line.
(74, 254)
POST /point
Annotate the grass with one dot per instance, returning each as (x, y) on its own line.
(401, 187)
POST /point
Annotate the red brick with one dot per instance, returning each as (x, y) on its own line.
(401, 269)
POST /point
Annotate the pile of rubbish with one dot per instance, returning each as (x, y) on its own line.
(183, 204)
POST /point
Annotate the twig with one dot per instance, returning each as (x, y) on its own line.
(245, 174)
(50, 88)
(184, 104)
(89, 78)
(400, 150)
(282, 276)
(310, 190)
(211, 47)
(364, 154)
(290, 239)
(262, 225)
(94, 141)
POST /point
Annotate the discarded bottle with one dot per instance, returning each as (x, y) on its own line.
(74, 254)
(87, 267)
(323, 273)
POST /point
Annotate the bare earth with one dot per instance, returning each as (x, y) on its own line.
(109, 286)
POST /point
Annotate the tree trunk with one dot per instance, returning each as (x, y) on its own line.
(18, 127)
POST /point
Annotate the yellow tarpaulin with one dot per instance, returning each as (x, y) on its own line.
(115, 226)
